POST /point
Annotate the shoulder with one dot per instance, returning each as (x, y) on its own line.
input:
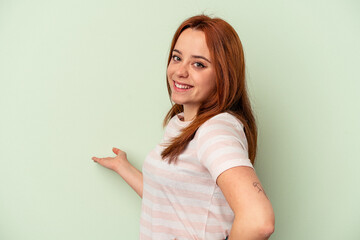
(174, 126)
(221, 144)
(221, 120)
(174, 122)
(221, 126)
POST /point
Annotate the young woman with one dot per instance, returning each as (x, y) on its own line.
(199, 182)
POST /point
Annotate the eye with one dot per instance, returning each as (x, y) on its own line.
(175, 58)
(200, 65)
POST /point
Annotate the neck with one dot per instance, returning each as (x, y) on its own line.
(190, 112)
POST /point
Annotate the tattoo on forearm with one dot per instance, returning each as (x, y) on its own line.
(259, 188)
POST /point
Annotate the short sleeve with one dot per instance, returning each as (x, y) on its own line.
(222, 144)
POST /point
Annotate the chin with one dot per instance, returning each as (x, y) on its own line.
(177, 101)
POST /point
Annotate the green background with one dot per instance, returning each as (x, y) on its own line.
(78, 77)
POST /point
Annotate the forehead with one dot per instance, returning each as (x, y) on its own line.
(192, 42)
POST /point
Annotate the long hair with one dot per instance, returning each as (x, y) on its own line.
(231, 95)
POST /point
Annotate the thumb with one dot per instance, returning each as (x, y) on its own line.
(115, 150)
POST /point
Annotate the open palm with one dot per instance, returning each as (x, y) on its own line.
(113, 163)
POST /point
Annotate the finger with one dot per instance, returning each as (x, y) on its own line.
(115, 150)
(103, 159)
(95, 159)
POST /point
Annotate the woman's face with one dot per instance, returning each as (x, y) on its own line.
(190, 73)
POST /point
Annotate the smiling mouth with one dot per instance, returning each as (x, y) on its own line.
(179, 86)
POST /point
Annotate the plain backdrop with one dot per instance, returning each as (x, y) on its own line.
(78, 77)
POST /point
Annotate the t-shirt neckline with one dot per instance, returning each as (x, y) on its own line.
(180, 122)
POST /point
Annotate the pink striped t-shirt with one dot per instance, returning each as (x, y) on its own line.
(182, 200)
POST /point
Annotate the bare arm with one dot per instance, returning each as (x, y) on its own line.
(254, 216)
(123, 167)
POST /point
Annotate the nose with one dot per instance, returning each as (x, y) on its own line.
(182, 70)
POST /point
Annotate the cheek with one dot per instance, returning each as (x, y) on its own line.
(170, 70)
(168, 75)
(210, 83)
(213, 84)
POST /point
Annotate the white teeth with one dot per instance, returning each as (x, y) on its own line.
(181, 86)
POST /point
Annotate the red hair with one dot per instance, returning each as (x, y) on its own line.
(230, 95)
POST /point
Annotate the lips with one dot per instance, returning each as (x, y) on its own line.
(182, 86)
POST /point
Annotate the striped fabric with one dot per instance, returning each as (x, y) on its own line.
(182, 200)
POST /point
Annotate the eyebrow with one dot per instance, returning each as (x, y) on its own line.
(194, 56)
